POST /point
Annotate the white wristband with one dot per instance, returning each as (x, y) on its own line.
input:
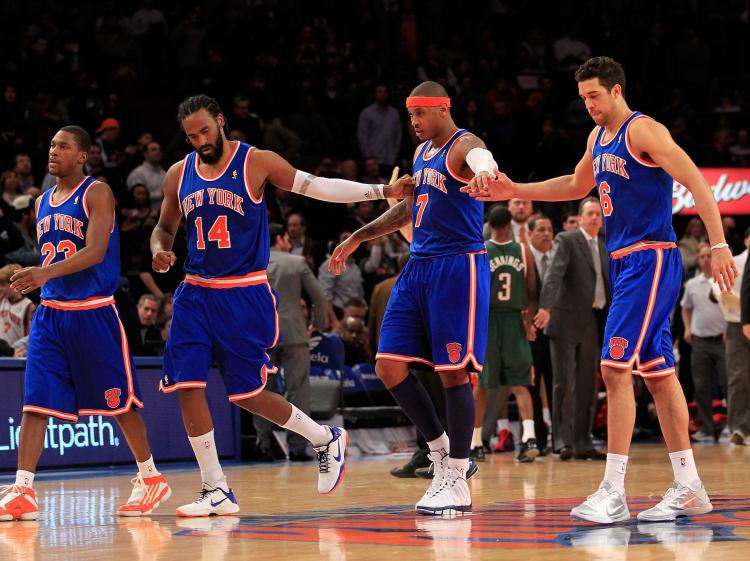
(719, 246)
(480, 159)
(334, 190)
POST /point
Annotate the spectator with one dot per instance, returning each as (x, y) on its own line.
(571, 222)
(296, 227)
(695, 234)
(569, 49)
(353, 333)
(740, 151)
(149, 341)
(166, 303)
(354, 308)
(704, 331)
(10, 187)
(15, 309)
(379, 129)
(151, 174)
(372, 173)
(339, 289)
(282, 140)
(24, 171)
(379, 301)
(521, 211)
(108, 141)
(364, 213)
(22, 241)
(245, 120)
(93, 165)
(137, 219)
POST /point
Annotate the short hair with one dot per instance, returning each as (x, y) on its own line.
(274, 230)
(429, 89)
(586, 201)
(145, 297)
(533, 222)
(17, 154)
(82, 138)
(7, 271)
(608, 70)
(568, 215)
(301, 217)
(355, 303)
(195, 103)
(499, 216)
(240, 99)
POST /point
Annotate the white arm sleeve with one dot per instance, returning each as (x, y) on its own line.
(480, 159)
(334, 190)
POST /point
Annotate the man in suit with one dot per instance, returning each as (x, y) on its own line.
(289, 275)
(573, 307)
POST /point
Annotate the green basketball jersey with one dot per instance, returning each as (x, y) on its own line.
(508, 292)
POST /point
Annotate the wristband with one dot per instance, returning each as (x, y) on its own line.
(721, 245)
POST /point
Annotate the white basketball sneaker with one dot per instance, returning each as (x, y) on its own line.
(452, 496)
(606, 506)
(331, 461)
(679, 500)
(211, 500)
(437, 469)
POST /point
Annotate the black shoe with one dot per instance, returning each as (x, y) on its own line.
(263, 455)
(544, 451)
(429, 471)
(566, 453)
(299, 457)
(418, 460)
(592, 454)
(528, 451)
(477, 454)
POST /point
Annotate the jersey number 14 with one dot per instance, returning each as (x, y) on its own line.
(218, 233)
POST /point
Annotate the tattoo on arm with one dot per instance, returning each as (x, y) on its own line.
(396, 217)
(306, 183)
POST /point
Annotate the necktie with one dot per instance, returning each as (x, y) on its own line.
(600, 297)
(543, 267)
(522, 235)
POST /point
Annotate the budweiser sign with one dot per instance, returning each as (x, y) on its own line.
(731, 188)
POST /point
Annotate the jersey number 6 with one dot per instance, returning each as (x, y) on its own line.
(604, 190)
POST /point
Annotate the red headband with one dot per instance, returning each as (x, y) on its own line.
(416, 101)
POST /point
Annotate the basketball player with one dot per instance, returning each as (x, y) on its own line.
(438, 311)
(78, 360)
(225, 309)
(509, 360)
(632, 160)
(15, 309)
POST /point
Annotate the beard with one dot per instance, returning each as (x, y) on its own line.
(218, 150)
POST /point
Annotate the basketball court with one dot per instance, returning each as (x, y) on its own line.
(520, 512)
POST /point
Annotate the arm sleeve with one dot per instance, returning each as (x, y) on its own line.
(334, 190)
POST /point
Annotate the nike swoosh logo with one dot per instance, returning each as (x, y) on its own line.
(221, 501)
(338, 457)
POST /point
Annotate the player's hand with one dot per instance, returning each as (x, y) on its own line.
(29, 279)
(688, 336)
(484, 188)
(337, 264)
(723, 268)
(402, 187)
(746, 331)
(531, 333)
(163, 260)
(541, 319)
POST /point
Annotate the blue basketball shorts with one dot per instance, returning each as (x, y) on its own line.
(645, 280)
(78, 361)
(438, 313)
(231, 322)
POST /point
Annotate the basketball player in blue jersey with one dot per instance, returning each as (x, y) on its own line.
(225, 310)
(438, 312)
(78, 359)
(632, 159)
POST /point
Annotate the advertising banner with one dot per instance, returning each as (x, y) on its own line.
(731, 187)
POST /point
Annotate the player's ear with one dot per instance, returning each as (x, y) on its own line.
(82, 157)
(220, 120)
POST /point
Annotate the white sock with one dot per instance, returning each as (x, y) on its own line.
(204, 448)
(462, 464)
(147, 468)
(24, 478)
(528, 430)
(476, 437)
(303, 425)
(503, 424)
(614, 473)
(441, 443)
(546, 417)
(685, 472)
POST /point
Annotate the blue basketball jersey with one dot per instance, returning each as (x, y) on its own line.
(227, 228)
(636, 195)
(61, 231)
(444, 220)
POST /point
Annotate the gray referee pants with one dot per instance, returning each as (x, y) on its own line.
(707, 364)
(738, 379)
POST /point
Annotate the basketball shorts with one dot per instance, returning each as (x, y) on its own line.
(78, 361)
(645, 282)
(437, 313)
(509, 359)
(233, 326)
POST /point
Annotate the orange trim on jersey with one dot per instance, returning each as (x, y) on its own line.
(651, 364)
(424, 154)
(418, 152)
(601, 138)
(113, 412)
(640, 246)
(464, 363)
(632, 152)
(246, 174)
(619, 365)
(256, 391)
(258, 277)
(50, 412)
(472, 304)
(651, 301)
(657, 373)
(276, 316)
(181, 386)
(223, 171)
(54, 189)
(80, 305)
(402, 358)
(453, 174)
(125, 356)
(425, 101)
(179, 185)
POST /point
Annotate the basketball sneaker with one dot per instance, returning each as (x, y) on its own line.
(606, 506)
(528, 451)
(147, 494)
(679, 500)
(211, 500)
(429, 471)
(504, 442)
(331, 458)
(451, 497)
(19, 503)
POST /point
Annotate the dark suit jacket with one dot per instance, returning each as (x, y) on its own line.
(745, 294)
(570, 284)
